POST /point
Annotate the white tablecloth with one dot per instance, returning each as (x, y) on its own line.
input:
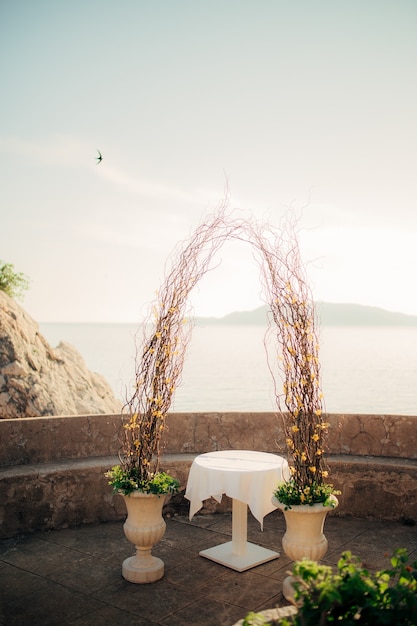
(244, 475)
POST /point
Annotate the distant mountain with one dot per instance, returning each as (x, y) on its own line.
(329, 314)
(256, 317)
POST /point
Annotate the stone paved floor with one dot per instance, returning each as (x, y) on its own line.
(73, 576)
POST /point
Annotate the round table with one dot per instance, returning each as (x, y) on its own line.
(249, 478)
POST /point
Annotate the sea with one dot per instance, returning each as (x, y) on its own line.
(368, 370)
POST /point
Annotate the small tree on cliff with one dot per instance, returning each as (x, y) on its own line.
(11, 282)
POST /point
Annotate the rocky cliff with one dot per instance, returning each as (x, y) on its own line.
(38, 380)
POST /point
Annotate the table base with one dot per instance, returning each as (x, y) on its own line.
(239, 554)
(251, 556)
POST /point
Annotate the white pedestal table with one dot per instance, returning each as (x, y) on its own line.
(249, 478)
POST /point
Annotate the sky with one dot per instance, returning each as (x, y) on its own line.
(308, 106)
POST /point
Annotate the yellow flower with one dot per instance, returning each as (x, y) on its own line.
(303, 457)
(312, 469)
(315, 437)
(325, 474)
(295, 429)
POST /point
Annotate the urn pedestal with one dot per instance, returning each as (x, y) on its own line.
(304, 537)
(144, 527)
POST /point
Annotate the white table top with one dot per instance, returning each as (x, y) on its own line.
(244, 475)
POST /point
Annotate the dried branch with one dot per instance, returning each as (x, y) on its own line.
(159, 362)
(292, 320)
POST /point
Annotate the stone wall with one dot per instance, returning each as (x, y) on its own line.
(52, 468)
(365, 435)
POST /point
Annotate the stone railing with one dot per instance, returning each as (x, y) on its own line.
(52, 469)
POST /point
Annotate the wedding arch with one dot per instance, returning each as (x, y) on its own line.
(292, 322)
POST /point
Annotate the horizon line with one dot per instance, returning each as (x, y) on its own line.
(226, 315)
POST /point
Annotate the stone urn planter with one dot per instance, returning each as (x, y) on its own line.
(304, 537)
(144, 527)
(270, 616)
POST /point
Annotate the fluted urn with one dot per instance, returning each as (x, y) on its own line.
(144, 527)
(304, 537)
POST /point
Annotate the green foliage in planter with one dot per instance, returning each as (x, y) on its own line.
(292, 493)
(352, 596)
(127, 481)
(255, 619)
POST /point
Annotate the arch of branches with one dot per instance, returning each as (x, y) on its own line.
(292, 323)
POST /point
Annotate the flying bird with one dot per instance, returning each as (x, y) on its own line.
(99, 158)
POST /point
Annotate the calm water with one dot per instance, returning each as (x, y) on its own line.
(364, 370)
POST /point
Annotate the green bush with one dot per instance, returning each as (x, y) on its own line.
(11, 282)
(352, 596)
